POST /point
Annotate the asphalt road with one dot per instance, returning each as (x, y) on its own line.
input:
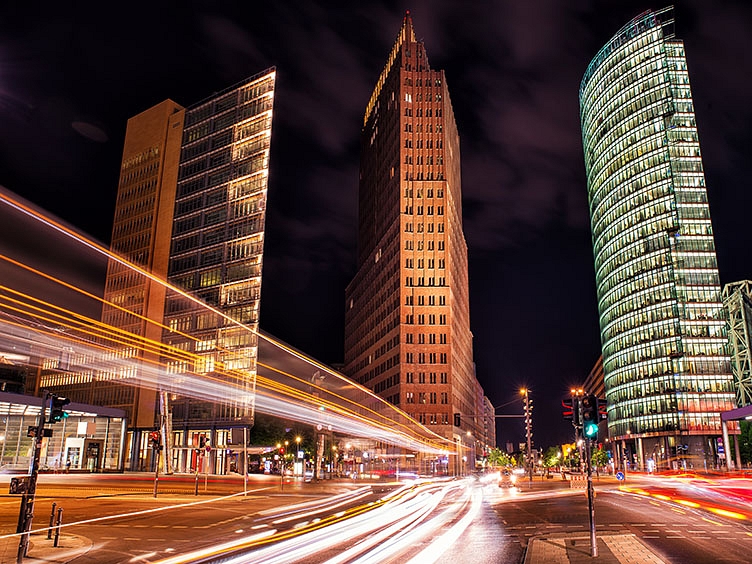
(122, 521)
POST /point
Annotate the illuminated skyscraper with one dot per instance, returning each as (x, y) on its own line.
(190, 208)
(663, 328)
(407, 326)
(216, 256)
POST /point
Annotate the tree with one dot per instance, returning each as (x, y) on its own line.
(599, 458)
(551, 457)
(745, 443)
(497, 458)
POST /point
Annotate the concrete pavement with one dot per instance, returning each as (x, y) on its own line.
(576, 549)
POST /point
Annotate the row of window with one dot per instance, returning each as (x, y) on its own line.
(427, 398)
(411, 192)
(429, 227)
(421, 300)
(410, 319)
(433, 418)
(419, 112)
(410, 377)
(419, 210)
(426, 358)
(420, 281)
(138, 200)
(419, 96)
(420, 245)
(409, 125)
(425, 263)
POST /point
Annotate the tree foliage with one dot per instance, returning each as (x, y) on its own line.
(498, 458)
(599, 457)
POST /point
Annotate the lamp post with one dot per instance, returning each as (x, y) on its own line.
(528, 432)
(318, 440)
(297, 456)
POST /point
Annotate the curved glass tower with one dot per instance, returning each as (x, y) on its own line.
(667, 376)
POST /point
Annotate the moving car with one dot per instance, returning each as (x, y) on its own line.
(507, 479)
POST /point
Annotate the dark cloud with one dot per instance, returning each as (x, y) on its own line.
(513, 70)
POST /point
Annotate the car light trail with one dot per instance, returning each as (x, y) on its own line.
(104, 352)
(387, 529)
(137, 513)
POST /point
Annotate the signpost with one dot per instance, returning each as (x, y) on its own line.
(27, 485)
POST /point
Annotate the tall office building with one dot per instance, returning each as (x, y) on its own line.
(190, 209)
(663, 329)
(407, 326)
(216, 256)
(134, 303)
(141, 232)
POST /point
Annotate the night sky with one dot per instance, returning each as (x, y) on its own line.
(70, 79)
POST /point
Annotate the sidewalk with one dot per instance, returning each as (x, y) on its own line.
(42, 550)
(576, 549)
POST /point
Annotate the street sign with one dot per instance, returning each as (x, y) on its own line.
(19, 484)
(620, 476)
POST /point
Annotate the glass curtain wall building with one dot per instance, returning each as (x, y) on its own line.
(216, 256)
(663, 328)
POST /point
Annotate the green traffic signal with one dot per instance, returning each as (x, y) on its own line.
(591, 430)
(590, 416)
(57, 413)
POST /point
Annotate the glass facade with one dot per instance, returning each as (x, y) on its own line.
(217, 244)
(663, 328)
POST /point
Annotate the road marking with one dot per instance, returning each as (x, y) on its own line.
(713, 522)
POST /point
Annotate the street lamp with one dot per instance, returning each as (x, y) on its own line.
(528, 431)
(298, 461)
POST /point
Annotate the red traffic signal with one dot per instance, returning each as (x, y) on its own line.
(568, 409)
(154, 438)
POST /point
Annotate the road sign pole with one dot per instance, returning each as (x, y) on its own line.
(157, 453)
(26, 513)
(591, 508)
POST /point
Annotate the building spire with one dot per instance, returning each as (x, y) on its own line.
(406, 33)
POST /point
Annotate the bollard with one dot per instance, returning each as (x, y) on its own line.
(52, 521)
(57, 525)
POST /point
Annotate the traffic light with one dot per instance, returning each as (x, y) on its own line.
(568, 409)
(56, 408)
(154, 438)
(457, 420)
(590, 416)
